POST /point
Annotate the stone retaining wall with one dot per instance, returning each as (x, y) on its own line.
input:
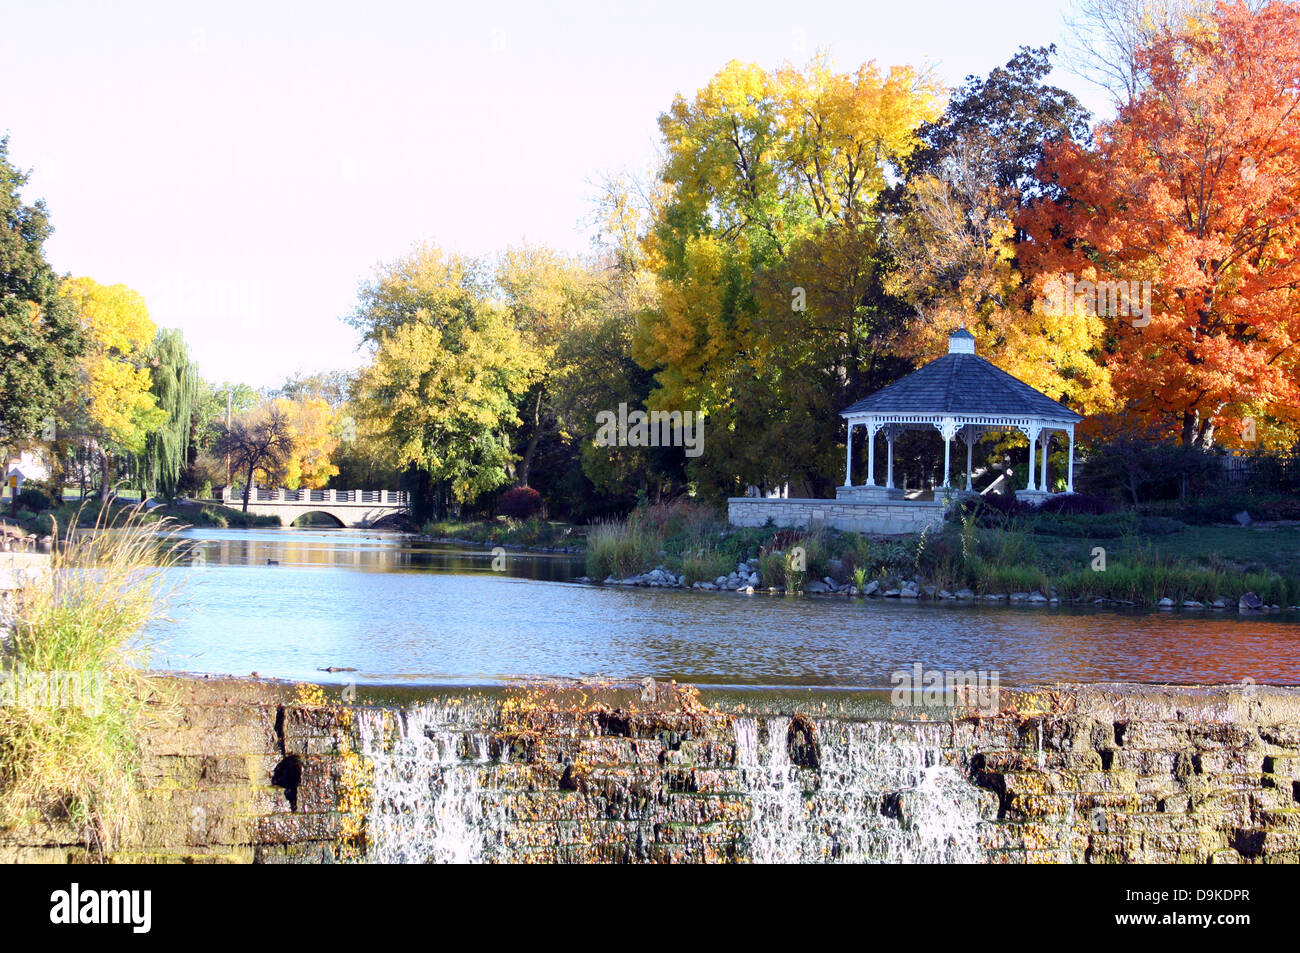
(245, 771)
(883, 518)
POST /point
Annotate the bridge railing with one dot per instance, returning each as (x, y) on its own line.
(283, 495)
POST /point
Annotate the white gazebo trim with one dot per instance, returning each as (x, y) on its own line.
(971, 428)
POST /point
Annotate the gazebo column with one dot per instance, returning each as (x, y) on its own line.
(1069, 472)
(1032, 433)
(949, 430)
(848, 456)
(1043, 482)
(889, 459)
(872, 429)
(970, 454)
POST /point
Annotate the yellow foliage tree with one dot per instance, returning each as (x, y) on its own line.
(315, 438)
(115, 409)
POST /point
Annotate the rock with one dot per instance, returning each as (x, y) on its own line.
(720, 582)
(610, 580)
(964, 594)
(1166, 603)
(816, 586)
(1243, 518)
(908, 593)
(1218, 604)
(1249, 602)
(1019, 597)
(754, 580)
(1037, 597)
(871, 589)
(892, 593)
(1193, 604)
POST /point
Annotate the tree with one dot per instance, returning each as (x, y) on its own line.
(1108, 37)
(550, 297)
(311, 422)
(40, 339)
(446, 371)
(115, 408)
(259, 439)
(175, 388)
(768, 258)
(954, 238)
(1189, 199)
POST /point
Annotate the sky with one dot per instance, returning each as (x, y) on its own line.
(246, 166)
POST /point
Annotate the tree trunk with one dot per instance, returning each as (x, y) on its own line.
(103, 473)
(248, 485)
(526, 465)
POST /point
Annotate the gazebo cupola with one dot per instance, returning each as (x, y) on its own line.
(962, 396)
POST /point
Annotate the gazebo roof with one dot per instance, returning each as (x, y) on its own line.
(961, 383)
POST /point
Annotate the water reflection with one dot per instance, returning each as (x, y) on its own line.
(403, 611)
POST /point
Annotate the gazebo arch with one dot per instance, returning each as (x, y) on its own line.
(958, 394)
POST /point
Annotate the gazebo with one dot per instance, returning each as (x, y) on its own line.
(961, 395)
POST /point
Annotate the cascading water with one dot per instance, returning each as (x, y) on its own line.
(880, 794)
(880, 791)
(427, 807)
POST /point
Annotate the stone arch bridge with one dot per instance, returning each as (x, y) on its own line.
(349, 508)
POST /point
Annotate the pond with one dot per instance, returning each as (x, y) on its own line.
(290, 603)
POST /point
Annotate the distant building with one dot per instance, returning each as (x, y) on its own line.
(28, 465)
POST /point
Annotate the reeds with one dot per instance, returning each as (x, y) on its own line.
(74, 696)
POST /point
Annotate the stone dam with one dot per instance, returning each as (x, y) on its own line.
(242, 770)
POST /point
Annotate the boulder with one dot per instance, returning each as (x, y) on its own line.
(871, 589)
(1166, 603)
(1249, 602)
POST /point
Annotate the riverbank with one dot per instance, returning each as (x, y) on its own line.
(245, 770)
(1124, 559)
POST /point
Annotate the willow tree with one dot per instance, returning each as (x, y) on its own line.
(176, 389)
(768, 257)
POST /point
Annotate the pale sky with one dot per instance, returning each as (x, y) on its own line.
(245, 166)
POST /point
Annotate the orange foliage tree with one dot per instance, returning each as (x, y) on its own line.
(1194, 188)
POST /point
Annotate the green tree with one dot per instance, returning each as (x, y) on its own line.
(40, 339)
(446, 372)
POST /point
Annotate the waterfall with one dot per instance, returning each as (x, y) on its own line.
(881, 794)
(427, 807)
(446, 791)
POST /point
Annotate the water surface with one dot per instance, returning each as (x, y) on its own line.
(401, 611)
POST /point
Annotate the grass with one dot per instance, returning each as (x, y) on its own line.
(533, 531)
(1147, 556)
(92, 513)
(76, 695)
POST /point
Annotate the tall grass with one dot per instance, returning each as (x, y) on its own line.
(621, 548)
(76, 696)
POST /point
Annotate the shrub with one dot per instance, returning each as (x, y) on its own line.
(35, 496)
(1076, 504)
(519, 502)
